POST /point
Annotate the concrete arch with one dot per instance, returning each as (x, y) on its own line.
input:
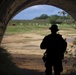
(9, 8)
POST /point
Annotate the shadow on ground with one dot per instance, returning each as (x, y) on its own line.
(8, 67)
(30, 72)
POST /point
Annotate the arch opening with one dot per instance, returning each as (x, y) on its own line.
(11, 8)
(36, 38)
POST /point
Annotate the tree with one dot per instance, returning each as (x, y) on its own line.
(63, 13)
(43, 16)
(53, 19)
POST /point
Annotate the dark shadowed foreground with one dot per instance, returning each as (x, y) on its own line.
(29, 64)
(33, 65)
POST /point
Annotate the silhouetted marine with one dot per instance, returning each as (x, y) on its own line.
(55, 47)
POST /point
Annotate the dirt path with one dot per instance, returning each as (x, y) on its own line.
(26, 43)
(23, 44)
(27, 55)
(33, 64)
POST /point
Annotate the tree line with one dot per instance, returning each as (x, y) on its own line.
(61, 17)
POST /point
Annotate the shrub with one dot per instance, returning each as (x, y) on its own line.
(74, 42)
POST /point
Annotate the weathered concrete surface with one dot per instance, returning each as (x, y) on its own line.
(9, 8)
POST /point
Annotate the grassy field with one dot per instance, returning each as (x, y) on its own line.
(33, 28)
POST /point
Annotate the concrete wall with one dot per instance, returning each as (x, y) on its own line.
(9, 8)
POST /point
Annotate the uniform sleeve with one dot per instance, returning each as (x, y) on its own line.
(43, 44)
(64, 44)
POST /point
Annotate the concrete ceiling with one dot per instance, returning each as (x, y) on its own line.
(9, 8)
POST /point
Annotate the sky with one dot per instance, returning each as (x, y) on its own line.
(36, 11)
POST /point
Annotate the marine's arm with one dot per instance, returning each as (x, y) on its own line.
(43, 43)
(64, 44)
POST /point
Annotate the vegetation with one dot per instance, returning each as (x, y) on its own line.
(34, 27)
(43, 16)
(63, 17)
(74, 42)
(41, 23)
(53, 19)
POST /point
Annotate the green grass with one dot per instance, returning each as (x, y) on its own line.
(39, 29)
(66, 26)
(24, 29)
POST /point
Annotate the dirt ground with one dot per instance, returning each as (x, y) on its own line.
(27, 54)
